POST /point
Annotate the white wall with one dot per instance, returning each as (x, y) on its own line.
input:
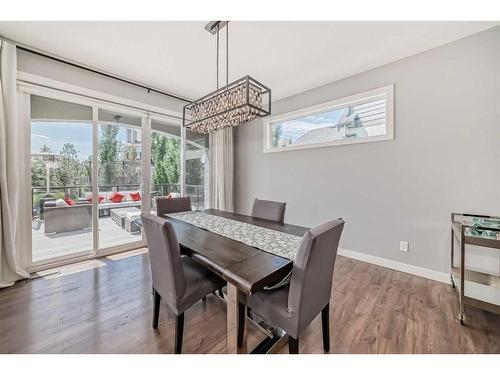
(445, 157)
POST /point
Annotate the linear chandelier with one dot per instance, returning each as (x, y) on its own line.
(236, 103)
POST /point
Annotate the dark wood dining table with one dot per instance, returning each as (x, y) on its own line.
(245, 268)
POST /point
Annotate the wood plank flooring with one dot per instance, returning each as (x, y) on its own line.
(108, 310)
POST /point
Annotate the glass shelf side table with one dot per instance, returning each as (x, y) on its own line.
(477, 289)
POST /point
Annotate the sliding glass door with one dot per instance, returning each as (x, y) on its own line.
(95, 167)
(119, 179)
(61, 170)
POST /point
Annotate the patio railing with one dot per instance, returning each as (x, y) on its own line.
(39, 193)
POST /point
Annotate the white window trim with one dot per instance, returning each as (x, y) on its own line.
(387, 91)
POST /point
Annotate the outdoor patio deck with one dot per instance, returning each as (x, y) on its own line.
(73, 242)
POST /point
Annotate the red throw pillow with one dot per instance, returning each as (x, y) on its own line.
(101, 198)
(69, 201)
(116, 197)
(135, 196)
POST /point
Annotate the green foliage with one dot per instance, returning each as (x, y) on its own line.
(130, 165)
(69, 168)
(39, 170)
(108, 154)
(277, 133)
(119, 167)
(277, 138)
(195, 171)
(87, 169)
(38, 173)
(166, 159)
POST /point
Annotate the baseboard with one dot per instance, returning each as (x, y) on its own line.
(398, 266)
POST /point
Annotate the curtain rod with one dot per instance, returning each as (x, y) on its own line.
(63, 60)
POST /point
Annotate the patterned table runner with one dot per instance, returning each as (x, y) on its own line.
(282, 244)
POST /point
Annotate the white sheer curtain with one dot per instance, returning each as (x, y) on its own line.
(12, 137)
(221, 169)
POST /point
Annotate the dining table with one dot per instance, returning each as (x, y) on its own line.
(247, 269)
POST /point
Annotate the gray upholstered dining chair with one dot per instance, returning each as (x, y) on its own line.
(293, 307)
(180, 281)
(166, 205)
(269, 210)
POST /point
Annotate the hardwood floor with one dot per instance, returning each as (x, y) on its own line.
(108, 309)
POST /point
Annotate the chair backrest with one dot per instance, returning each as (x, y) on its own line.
(269, 210)
(166, 205)
(311, 282)
(165, 259)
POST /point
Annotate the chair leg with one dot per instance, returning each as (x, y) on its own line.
(325, 320)
(293, 345)
(221, 295)
(156, 308)
(204, 299)
(179, 331)
(241, 323)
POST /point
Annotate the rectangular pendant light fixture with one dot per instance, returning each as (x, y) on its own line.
(236, 103)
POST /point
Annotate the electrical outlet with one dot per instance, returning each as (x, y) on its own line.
(403, 246)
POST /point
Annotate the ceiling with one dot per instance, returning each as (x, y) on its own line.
(288, 57)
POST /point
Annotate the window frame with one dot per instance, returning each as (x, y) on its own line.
(385, 91)
(40, 86)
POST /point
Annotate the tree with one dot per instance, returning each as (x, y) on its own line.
(108, 153)
(68, 170)
(130, 165)
(39, 170)
(277, 133)
(166, 159)
(195, 171)
(38, 173)
(87, 169)
(45, 148)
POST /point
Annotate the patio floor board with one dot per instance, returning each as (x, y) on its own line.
(74, 242)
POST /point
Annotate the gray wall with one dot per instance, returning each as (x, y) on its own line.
(445, 156)
(31, 63)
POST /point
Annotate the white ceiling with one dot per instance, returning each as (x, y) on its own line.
(289, 57)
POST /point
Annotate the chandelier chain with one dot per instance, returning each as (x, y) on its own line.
(227, 53)
(217, 60)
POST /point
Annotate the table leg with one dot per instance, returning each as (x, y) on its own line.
(461, 314)
(233, 316)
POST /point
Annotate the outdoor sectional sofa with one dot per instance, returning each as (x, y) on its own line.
(64, 219)
(59, 219)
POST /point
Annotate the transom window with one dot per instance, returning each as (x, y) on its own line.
(365, 117)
